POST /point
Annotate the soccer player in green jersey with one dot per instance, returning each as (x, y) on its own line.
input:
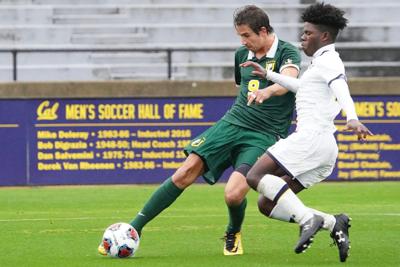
(244, 132)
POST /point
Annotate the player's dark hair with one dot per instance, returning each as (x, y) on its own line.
(252, 16)
(327, 18)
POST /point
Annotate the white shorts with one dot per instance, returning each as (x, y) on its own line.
(308, 156)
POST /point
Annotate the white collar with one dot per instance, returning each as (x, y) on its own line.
(329, 47)
(271, 52)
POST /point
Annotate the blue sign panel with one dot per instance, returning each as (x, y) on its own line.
(377, 158)
(109, 141)
(13, 143)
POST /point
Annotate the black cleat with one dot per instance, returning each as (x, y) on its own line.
(340, 235)
(307, 232)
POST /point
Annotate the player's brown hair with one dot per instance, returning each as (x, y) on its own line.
(252, 16)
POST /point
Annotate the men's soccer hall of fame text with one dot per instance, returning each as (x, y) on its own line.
(117, 141)
(107, 141)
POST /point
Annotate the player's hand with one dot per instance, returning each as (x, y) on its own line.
(258, 69)
(258, 96)
(358, 128)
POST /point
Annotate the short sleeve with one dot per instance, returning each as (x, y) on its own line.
(290, 58)
(330, 67)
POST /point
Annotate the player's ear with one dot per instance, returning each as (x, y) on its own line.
(325, 36)
(263, 30)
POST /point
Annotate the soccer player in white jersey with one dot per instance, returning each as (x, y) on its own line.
(309, 154)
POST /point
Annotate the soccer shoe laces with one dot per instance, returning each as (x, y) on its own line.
(229, 239)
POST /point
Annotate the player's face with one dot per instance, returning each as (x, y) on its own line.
(311, 39)
(249, 38)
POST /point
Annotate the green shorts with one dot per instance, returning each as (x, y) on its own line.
(225, 144)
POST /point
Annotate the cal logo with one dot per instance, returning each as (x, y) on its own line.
(48, 112)
(198, 142)
(270, 65)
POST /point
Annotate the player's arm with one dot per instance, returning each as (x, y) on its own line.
(290, 83)
(283, 82)
(342, 93)
(277, 89)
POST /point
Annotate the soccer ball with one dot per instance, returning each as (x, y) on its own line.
(121, 240)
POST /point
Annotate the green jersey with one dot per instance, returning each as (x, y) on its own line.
(274, 115)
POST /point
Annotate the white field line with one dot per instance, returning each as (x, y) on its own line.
(164, 216)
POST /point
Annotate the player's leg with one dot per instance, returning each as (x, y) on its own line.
(235, 199)
(338, 225)
(169, 191)
(247, 147)
(288, 205)
(267, 206)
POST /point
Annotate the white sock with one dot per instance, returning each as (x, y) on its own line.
(278, 213)
(288, 204)
(329, 220)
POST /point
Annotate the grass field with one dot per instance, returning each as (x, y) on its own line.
(62, 226)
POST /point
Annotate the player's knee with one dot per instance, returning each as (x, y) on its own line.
(262, 209)
(234, 197)
(265, 206)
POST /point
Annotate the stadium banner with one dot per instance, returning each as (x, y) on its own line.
(134, 141)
